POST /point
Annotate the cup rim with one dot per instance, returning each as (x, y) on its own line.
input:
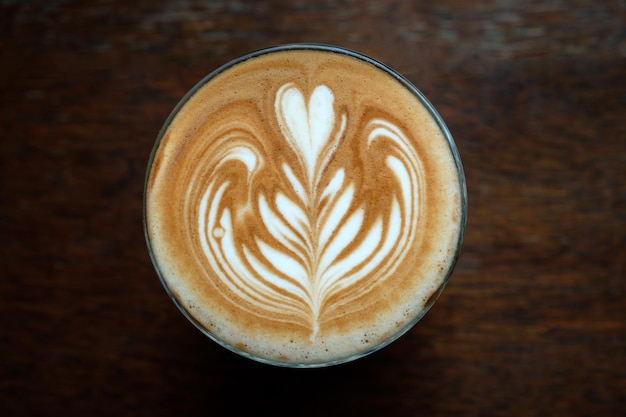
(404, 82)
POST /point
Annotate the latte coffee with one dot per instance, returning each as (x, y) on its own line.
(304, 205)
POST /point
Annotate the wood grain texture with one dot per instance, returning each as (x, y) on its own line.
(533, 321)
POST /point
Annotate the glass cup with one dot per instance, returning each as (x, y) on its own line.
(160, 234)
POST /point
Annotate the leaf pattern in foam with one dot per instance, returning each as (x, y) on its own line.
(304, 260)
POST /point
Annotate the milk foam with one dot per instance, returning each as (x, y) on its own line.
(309, 220)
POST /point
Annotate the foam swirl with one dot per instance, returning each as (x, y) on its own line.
(315, 246)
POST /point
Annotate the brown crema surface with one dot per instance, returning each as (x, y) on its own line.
(241, 232)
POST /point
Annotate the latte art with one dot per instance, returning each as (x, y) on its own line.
(316, 252)
(304, 206)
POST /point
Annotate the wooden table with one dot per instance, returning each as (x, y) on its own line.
(533, 321)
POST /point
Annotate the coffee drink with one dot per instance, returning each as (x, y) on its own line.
(304, 205)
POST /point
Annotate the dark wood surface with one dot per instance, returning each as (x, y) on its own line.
(533, 321)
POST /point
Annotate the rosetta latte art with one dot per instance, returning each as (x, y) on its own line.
(313, 252)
